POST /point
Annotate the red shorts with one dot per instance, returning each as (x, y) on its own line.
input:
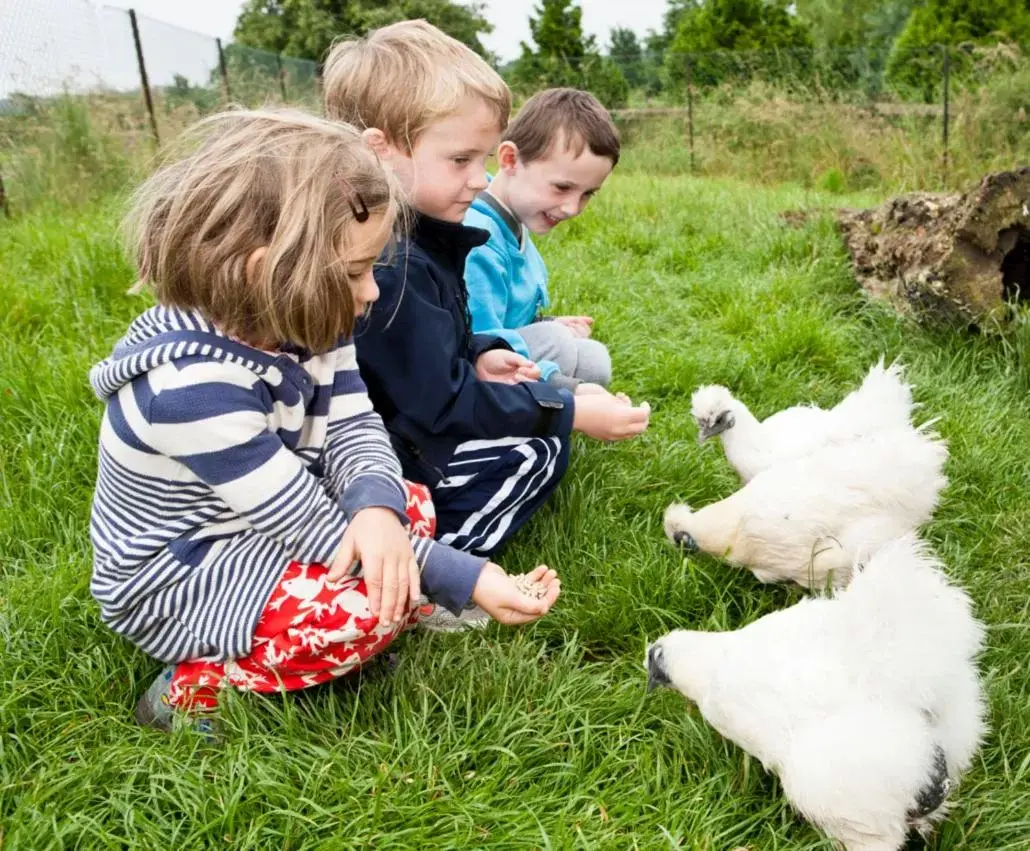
(311, 631)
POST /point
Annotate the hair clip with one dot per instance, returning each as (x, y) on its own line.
(360, 214)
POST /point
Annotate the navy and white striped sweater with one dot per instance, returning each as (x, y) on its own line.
(218, 465)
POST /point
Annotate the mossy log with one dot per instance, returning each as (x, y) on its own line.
(956, 257)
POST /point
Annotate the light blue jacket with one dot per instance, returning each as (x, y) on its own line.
(507, 287)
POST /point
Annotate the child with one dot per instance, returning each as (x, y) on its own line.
(242, 471)
(464, 411)
(553, 159)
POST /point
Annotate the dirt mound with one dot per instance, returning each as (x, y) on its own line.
(947, 256)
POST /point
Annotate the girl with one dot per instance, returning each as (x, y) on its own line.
(249, 516)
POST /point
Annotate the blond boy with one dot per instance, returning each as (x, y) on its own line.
(466, 414)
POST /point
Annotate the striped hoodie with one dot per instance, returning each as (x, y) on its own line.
(218, 465)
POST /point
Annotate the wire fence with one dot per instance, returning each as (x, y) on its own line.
(87, 88)
(840, 119)
(74, 47)
(94, 85)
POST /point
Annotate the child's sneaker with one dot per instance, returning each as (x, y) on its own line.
(436, 618)
(155, 710)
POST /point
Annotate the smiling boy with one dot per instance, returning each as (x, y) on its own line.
(552, 160)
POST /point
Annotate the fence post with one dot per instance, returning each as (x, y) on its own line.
(690, 110)
(3, 199)
(282, 75)
(223, 70)
(144, 82)
(945, 117)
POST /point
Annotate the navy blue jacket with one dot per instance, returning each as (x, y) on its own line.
(417, 355)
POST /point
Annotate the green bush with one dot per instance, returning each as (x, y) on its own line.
(736, 40)
(914, 64)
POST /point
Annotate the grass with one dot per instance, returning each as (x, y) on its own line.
(535, 738)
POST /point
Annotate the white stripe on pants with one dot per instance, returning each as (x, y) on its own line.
(486, 527)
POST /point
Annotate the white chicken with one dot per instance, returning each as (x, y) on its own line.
(884, 401)
(809, 519)
(867, 705)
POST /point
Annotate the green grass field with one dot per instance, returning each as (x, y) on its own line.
(542, 737)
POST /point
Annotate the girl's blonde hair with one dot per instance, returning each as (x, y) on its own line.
(404, 77)
(280, 180)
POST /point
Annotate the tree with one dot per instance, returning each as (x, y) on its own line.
(915, 60)
(564, 56)
(733, 34)
(626, 53)
(307, 28)
(853, 39)
(740, 25)
(465, 22)
(655, 45)
(558, 30)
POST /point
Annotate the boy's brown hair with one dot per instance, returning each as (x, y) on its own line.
(280, 180)
(402, 78)
(571, 116)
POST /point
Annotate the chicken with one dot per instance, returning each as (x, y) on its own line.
(809, 519)
(867, 704)
(884, 401)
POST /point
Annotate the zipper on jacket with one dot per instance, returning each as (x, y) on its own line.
(414, 450)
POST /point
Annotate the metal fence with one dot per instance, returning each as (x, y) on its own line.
(49, 48)
(944, 115)
(139, 78)
(955, 109)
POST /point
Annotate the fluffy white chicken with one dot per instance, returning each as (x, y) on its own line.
(867, 705)
(809, 519)
(884, 401)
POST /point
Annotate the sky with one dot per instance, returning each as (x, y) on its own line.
(47, 45)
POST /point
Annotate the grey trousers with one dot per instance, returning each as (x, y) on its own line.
(577, 357)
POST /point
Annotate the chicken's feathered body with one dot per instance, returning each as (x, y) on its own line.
(883, 402)
(807, 519)
(867, 704)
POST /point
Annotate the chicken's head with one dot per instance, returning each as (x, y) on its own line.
(712, 407)
(684, 660)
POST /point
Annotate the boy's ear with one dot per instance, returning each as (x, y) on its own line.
(253, 264)
(376, 140)
(507, 156)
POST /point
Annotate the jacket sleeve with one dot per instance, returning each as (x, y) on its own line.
(410, 349)
(488, 284)
(217, 428)
(359, 463)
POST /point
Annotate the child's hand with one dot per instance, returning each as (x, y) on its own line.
(581, 326)
(610, 417)
(498, 595)
(506, 367)
(377, 538)
(588, 388)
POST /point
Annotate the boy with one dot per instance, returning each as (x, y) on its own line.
(553, 159)
(465, 412)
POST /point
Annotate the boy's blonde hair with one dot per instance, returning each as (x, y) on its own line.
(282, 180)
(402, 78)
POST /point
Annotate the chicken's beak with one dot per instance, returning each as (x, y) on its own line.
(656, 676)
(710, 428)
(685, 541)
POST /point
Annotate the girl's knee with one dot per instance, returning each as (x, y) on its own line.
(594, 363)
(420, 510)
